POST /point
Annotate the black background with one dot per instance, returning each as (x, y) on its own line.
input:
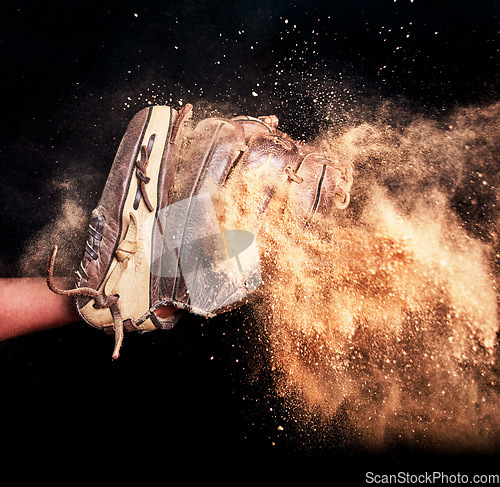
(73, 75)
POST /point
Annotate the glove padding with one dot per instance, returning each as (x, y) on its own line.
(178, 219)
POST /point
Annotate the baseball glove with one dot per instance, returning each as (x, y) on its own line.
(177, 223)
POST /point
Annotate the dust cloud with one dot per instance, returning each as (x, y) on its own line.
(386, 313)
(67, 230)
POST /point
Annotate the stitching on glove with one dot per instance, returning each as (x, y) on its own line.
(293, 176)
(92, 244)
(263, 121)
(142, 165)
(101, 301)
(95, 237)
(286, 144)
(341, 198)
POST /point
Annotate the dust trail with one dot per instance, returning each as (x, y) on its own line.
(67, 230)
(387, 313)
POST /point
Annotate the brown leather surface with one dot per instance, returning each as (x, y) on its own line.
(112, 199)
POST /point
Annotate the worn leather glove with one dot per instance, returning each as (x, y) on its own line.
(178, 220)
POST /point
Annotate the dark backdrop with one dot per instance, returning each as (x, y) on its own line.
(73, 74)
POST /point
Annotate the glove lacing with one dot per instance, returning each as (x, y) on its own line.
(101, 301)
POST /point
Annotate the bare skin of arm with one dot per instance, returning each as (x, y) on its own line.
(27, 305)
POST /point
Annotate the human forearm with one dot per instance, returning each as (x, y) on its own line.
(27, 305)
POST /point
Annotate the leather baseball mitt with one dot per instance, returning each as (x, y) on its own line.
(178, 220)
